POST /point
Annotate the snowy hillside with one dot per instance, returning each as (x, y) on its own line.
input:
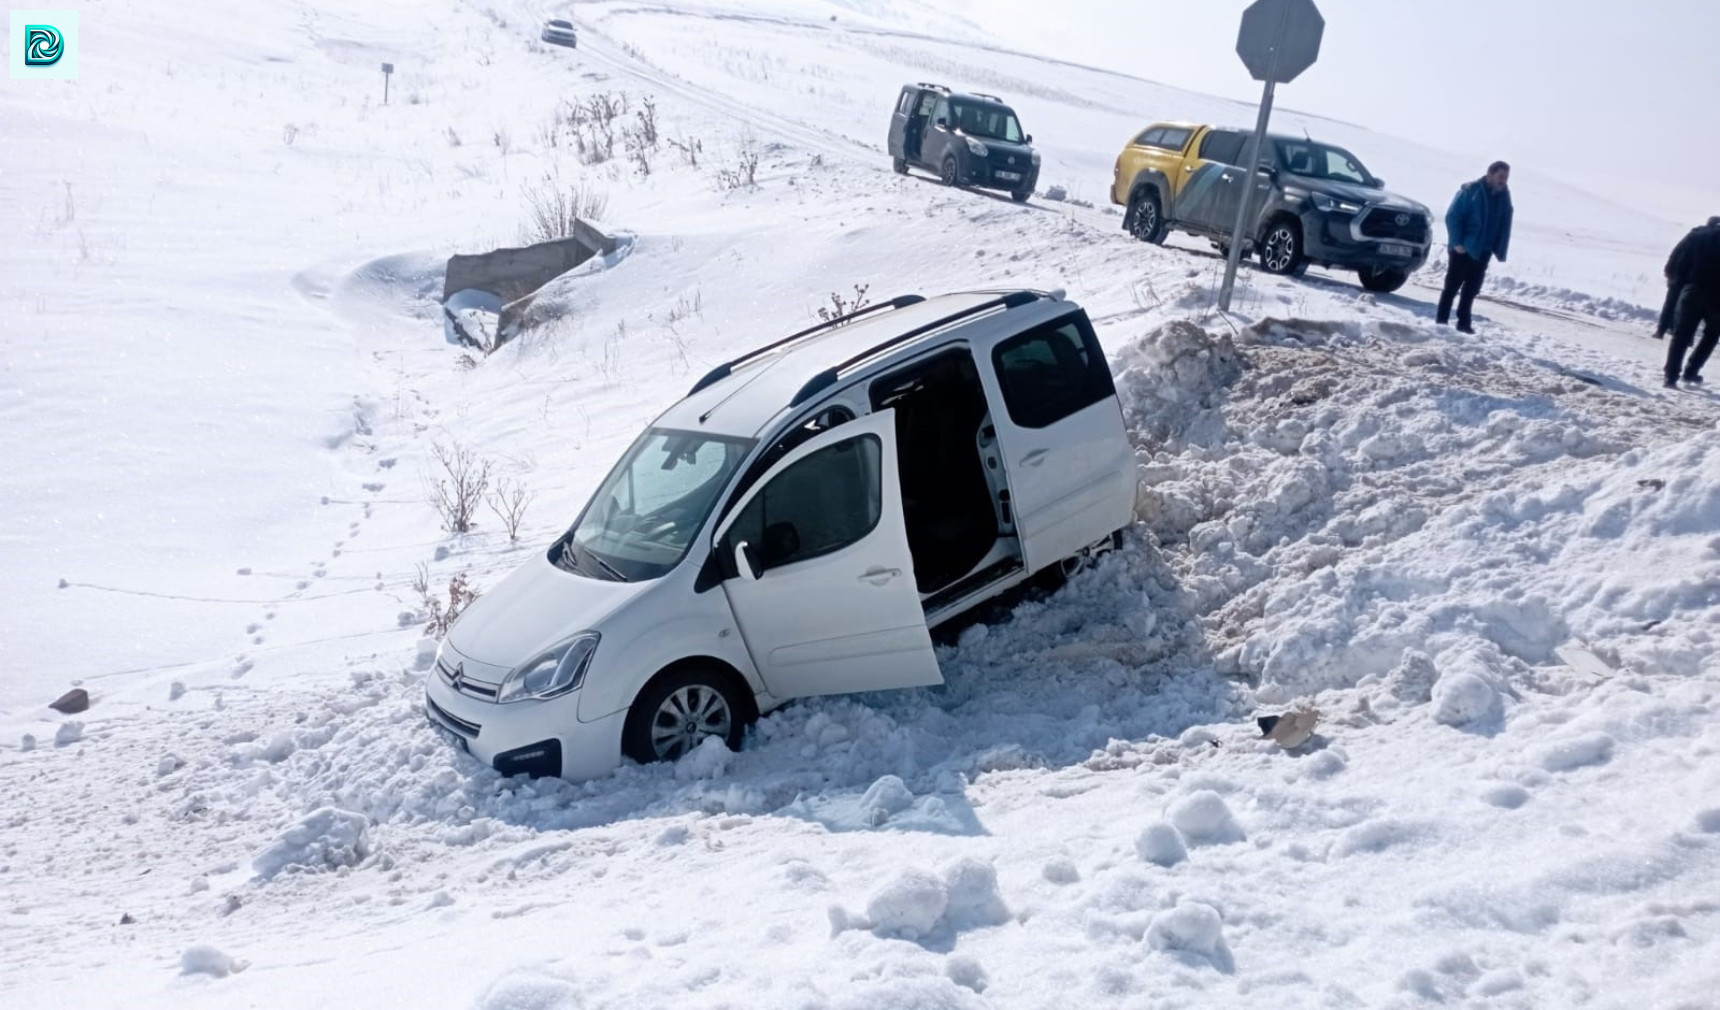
(1491, 563)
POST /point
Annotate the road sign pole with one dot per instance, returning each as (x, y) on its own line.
(1251, 172)
(1269, 28)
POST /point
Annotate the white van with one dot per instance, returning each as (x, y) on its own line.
(795, 526)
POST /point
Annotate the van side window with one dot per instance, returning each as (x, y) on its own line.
(941, 111)
(905, 102)
(821, 504)
(927, 100)
(1052, 372)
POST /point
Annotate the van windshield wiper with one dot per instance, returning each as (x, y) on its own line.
(608, 569)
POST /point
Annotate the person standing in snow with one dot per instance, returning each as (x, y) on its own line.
(1677, 267)
(1698, 305)
(1478, 228)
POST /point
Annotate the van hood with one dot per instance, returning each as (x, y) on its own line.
(538, 605)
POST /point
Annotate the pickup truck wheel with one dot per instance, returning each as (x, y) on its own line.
(1281, 252)
(676, 712)
(900, 165)
(948, 174)
(1383, 279)
(1145, 219)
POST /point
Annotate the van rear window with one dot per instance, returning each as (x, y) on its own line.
(1051, 372)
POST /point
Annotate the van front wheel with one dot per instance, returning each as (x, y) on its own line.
(678, 712)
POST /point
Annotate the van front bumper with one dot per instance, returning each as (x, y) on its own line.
(536, 738)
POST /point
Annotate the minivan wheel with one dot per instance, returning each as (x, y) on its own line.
(677, 712)
(948, 175)
(1020, 195)
(900, 165)
(1281, 253)
(1145, 218)
(1383, 279)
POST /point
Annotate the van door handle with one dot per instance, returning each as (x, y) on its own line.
(1188, 168)
(880, 575)
(1035, 457)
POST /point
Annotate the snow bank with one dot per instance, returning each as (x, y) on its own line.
(206, 960)
(327, 839)
(917, 904)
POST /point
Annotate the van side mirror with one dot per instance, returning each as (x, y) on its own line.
(744, 566)
(1030, 138)
(1379, 184)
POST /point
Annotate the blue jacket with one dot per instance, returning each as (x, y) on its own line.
(1480, 221)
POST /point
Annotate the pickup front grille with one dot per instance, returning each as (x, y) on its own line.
(1403, 226)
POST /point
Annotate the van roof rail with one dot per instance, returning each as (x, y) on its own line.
(935, 87)
(981, 94)
(727, 368)
(827, 378)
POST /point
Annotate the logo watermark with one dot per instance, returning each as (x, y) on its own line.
(43, 45)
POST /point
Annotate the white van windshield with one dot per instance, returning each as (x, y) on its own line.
(640, 523)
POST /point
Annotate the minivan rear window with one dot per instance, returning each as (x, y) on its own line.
(1051, 372)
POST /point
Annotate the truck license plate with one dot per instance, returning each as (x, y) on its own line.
(1009, 176)
(1396, 250)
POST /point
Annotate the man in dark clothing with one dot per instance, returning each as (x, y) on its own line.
(1698, 305)
(1478, 227)
(1677, 266)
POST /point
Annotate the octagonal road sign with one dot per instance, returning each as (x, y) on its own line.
(1280, 38)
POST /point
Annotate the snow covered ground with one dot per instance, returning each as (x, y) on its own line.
(1492, 564)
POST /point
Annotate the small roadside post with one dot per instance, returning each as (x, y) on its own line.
(387, 71)
(1279, 39)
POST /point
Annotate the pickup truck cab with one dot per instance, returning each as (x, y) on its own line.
(796, 525)
(1314, 203)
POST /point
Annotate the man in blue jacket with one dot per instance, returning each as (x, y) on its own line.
(1478, 226)
(1698, 305)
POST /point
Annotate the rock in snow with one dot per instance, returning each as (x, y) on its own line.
(326, 839)
(72, 702)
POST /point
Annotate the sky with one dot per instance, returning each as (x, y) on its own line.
(1587, 90)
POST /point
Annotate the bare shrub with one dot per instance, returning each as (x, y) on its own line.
(442, 616)
(690, 149)
(453, 138)
(290, 133)
(647, 116)
(745, 170)
(638, 150)
(509, 503)
(685, 308)
(553, 208)
(503, 140)
(840, 306)
(459, 488)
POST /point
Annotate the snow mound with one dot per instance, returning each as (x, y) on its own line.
(1161, 844)
(525, 991)
(1203, 818)
(917, 904)
(70, 732)
(206, 960)
(327, 839)
(1191, 927)
(1576, 752)
(1468, 691)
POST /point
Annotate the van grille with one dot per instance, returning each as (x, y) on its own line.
(461, 726)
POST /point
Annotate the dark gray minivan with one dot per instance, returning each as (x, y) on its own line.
(967, 139)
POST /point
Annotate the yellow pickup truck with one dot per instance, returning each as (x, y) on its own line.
(1313, 203)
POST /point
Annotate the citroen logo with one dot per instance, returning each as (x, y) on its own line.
(1402, 219)
(454, 678)
(1012, 159)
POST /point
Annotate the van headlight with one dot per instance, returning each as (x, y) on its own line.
(1036, 157)
(976, 148)
(1327, 204)
(552, 673)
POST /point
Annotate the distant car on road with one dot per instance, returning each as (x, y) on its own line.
(1317, 203)
(968, 140)
(559, 31)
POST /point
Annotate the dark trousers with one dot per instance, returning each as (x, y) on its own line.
(1465, 274)
(1696, 307)
(1669, 311)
